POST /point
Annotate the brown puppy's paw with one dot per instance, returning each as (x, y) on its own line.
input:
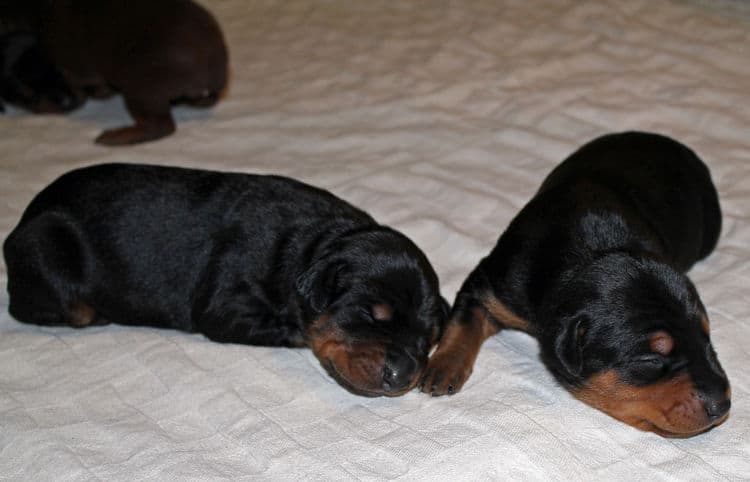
(134, 134)
(115, 137)
(153, 120)
(446, 373)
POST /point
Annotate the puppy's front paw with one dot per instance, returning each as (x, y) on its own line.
(118, 137)
(446, 373)
(138, 133)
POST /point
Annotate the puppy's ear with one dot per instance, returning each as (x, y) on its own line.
(569, 345)
(320, 285)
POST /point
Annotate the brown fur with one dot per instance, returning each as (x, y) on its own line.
(382, 311)
(358, 370)
(504, 315)
(661, 343)
(156, 54)
(670, 408)
(705, 325)
(81, 315)
(451, 364)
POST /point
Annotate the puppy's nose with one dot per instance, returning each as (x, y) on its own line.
(716, 408)
(398, 372)
(716, 401)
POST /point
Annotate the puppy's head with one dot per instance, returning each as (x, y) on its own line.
(30, 80)
(629, 336)
(374, 311)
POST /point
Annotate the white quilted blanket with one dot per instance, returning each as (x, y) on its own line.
(440, 118)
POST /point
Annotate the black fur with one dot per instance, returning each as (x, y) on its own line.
(239, 258)
(595, 265)
(604, 243)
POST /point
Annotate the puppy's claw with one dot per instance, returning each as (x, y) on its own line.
(445, 374)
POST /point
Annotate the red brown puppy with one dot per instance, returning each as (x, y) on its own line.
(155, 53)
(29, 80)
(593, 267)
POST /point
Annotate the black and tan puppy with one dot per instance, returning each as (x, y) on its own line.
(29, 80)
(155, 53)
(262, 260)
(593, 266)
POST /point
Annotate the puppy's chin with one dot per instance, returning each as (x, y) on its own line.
(360, 366)
(670, 408)
(360, 371)
(648, 426)
(364, 391)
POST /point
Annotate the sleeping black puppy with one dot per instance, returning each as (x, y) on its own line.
(262, 260)
(29, 80)
(593, 266)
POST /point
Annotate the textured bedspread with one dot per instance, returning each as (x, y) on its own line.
(440, 118)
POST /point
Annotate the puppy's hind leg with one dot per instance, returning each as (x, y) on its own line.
(47, 269)
(153, 120)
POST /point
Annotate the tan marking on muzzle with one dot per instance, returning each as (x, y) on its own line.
(670, 408)
(358, 366)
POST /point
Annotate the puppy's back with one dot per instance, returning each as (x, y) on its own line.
(660, 179)
(104, 192)
(138, 239)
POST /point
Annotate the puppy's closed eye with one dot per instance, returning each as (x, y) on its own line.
(649, 367)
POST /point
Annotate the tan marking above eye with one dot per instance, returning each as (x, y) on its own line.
(662, 343)
(382, 311)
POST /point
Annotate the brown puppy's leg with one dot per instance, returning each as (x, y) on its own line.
(153, 120)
